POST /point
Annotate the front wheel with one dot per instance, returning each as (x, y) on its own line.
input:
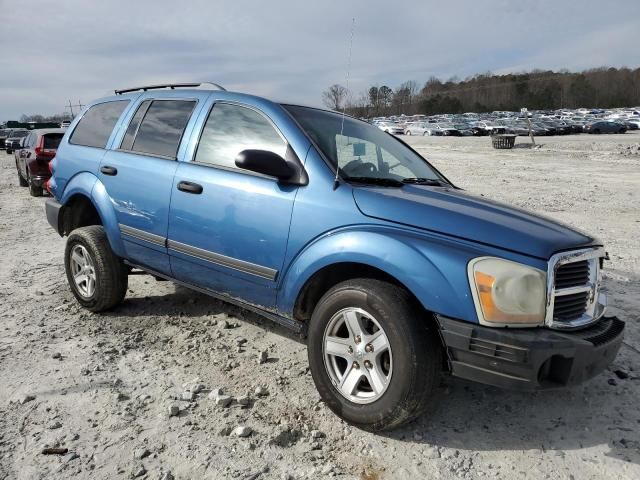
(374, 356)
(21, 181)
(97, 277)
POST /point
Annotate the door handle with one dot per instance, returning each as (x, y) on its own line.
(190, 187)
(109, 170)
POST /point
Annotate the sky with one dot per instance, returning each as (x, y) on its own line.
(80, 50)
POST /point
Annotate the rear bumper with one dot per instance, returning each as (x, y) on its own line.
(52, 208)
(39, 180)
(530, 359)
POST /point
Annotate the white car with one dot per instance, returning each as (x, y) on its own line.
(392, 128)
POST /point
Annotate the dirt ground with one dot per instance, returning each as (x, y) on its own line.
(103, 386)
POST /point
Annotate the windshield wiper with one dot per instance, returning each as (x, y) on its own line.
(423, 181)
(385, 182)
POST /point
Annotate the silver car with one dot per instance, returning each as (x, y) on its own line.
(391, 127)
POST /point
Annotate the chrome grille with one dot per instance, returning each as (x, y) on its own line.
(570, 307)
(573, 289)
(572, 274)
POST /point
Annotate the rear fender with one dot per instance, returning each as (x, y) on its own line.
(88, 185)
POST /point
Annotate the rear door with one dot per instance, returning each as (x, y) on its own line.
(25, 153)
(138, 173)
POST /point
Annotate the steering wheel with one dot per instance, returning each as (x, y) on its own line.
(358, 168)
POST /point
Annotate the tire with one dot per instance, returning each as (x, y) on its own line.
(597, 131)
(411, 367)
(21, 181)
(34, 191)
(110, 276)
(408, 133)
(9, 152)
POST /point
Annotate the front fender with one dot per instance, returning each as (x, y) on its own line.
(88, 185)
(432, 269)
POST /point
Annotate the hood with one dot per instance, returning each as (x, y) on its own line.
(460, 214)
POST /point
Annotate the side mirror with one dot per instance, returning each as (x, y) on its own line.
(265, 162)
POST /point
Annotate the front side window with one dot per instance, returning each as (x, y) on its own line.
(162, 127)
(96, 125)
(361, 150)
(230, 129)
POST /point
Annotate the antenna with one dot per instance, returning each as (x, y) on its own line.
(336, 181)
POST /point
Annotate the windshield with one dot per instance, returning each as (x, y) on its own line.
(359, 149)
(20, 134)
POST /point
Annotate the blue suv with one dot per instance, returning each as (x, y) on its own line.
(335, 229)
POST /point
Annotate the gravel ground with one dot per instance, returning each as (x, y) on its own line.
(131, 393)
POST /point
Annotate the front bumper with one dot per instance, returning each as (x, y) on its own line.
(530, 359)
(52, 208)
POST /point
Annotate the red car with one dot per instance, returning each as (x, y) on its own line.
(32, 162)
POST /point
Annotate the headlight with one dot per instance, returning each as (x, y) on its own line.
(507, 293)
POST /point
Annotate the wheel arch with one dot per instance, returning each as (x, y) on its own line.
(86, 202)
(368, 254)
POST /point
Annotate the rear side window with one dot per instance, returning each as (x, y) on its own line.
(127, 141)
(231, 129)
(52, 140)
(96, 125)
(162, 127)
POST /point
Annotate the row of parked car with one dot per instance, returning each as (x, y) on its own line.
(32, 151)
(536, 123)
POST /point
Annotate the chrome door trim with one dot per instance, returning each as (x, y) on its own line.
(223, 260)
(142, 235)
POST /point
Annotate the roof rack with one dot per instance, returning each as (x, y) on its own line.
(172, 86)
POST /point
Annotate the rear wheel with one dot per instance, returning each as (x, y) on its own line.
(34, 190)
(374, 358)
(97, 277)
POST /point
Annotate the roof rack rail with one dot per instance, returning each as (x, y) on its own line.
(172, 86)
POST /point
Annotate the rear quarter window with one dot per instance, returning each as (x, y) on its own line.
(96, 125)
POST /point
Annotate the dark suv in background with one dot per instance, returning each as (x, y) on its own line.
(32, 161)
(14, 138)
(4, 133)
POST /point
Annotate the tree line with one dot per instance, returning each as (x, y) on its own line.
(38, 118)
(602, 87)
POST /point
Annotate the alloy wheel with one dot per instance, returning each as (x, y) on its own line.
(83, 271)
(357, 355)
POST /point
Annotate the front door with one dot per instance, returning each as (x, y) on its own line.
(138, 176)
(228, 228)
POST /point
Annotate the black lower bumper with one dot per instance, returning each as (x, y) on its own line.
(530, 359)
(52, 208)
